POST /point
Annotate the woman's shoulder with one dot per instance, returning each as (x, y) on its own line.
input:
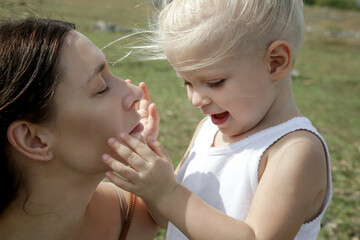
(140, 219)
(110, 194)
(104, 213)
(110, 197)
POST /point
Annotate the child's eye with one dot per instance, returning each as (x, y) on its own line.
(186, 84)
(216, 84)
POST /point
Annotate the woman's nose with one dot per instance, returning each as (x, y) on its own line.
(134, 95)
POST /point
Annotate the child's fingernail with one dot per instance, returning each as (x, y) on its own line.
(151, 139)
(105, 158)
(108, 174)
(123, 135)
(111, 141)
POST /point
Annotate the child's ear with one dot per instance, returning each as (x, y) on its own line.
(30, 140)
(279, 59)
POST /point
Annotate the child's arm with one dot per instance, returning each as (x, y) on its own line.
(160, 219)
(151, 178)
(292, 188)
(293, 183)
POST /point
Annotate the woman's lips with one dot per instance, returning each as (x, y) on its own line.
(138, 128)
(219, 118)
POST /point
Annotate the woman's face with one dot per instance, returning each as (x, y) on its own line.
(91, 105)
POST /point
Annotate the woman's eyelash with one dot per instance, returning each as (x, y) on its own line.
(106, 89)
(105, 85)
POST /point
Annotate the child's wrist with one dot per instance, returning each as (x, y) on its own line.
(165, 198)
(168, 202)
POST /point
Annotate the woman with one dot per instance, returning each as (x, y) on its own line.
(59, 103)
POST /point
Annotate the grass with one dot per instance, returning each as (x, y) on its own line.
(328, 93)
(327, 90)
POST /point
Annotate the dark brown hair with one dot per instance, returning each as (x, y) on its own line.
(29, 74)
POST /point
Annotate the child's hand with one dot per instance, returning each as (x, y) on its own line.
(149, 115)
(150, 174)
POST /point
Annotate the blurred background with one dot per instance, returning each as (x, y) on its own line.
(326, 82)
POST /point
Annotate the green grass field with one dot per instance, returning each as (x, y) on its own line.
(327, 89)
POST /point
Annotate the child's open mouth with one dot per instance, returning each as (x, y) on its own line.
(219, 118)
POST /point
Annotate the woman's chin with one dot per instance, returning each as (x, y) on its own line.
(137, 131)
(138, 136)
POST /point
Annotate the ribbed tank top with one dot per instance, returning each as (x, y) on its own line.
(227, 177)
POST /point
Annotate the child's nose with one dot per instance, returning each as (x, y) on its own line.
(198, 99)
(134, 95)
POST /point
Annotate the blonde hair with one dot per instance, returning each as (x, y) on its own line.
(231, 27)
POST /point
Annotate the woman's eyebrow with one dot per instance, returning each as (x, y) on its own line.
(97, 70)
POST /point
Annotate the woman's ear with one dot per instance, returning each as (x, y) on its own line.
(30, 140)
(279, 60)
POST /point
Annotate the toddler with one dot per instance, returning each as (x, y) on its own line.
(256, 168)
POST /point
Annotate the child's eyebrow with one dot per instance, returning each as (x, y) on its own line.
(180, 77)
(203, 77)
(177, 74)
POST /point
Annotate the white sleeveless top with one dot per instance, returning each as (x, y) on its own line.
(227, 177)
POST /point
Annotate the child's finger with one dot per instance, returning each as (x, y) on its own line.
(145, 101)
(127, 154)
(138, 147)
(143, 86)
(153, 121)
(144, 113)
(118, 167)
(120, 182)
(158, 148)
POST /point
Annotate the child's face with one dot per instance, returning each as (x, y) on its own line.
(91, 106)
(236, 94)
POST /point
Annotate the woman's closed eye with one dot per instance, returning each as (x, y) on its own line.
(104, 90)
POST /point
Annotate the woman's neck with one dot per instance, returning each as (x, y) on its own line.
(53, 210)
